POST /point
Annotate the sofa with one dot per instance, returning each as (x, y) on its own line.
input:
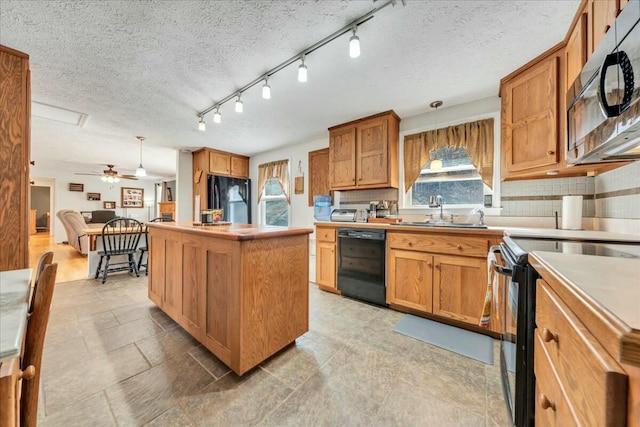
(74, 225)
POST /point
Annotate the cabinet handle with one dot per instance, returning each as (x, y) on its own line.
(410, 244)
(459, 247)
(28, 373)
(545, 403)
(32, 162)
(429, 264)
(548, 336)
(551, 152)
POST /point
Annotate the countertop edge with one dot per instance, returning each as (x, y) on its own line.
(232, 232)
(596, 314)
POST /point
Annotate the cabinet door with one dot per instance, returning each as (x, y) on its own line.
(409, 279)
(459, 287)
(342, 158)
(530, 118)
(239, 167)
(603, 13)
(372, 153)
(219, 163)
(318, 173)
(576, 50)
(326, 264)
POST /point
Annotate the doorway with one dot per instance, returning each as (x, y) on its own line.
(41, 204)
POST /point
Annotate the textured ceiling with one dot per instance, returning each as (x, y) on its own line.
(147, 68)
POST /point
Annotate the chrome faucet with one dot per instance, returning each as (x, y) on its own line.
(480, 211)
(440, 202)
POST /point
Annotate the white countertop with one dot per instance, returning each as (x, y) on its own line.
(15, 286)
(614, 283)
(552, 233)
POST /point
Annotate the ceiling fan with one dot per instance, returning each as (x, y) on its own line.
(110, 175)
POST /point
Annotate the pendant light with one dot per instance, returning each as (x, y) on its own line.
(140, 171)
(217, 118)
(266, 89)
(436, 164)
(239, 106)
(354, 44)
(302, 71)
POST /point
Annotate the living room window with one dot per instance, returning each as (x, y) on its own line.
(273, 193)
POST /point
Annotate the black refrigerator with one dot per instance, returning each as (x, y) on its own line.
(232, 195)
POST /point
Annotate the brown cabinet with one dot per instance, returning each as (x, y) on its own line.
(167, 210)
(326, 258)
(530, 122)
(578, 381)
(602, 13)
(207, 161)
(440, 274)
(576, 50)
(318, 173)
(364, 153)
(15, 103)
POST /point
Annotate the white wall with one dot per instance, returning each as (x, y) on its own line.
(65, 199)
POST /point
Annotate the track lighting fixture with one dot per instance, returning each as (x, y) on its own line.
(302, 71)
(266, 89)
(354, 52)
(201, 124)
(354, 44)
(239, 107)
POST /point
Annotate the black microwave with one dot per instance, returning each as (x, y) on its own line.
(603, 114)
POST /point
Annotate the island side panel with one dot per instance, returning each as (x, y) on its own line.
(275, 296)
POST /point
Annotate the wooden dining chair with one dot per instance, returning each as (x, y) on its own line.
(120, 238)
(145, 248)
(46, 258)
(34, 344)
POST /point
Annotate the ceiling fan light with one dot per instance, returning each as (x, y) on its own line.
(116, 179)
(140, 171)
(103, 178)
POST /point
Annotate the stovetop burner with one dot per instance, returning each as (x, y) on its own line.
(615, 250)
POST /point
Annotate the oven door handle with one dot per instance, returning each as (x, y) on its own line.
(494, 262)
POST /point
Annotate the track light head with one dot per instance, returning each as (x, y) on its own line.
(302, 71)
(201, 124)
(239, 106)
(217, 118)
(354, 44)
(266, 89)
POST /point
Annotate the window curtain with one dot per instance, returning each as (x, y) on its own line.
(278, 170)
(476, 137)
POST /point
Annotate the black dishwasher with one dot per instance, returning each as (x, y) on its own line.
(361, 259)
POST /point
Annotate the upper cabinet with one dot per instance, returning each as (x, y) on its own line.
(318, 173)
(363, 154)
(228, 164)
(534, 100)
(530, 117)
(15, 103)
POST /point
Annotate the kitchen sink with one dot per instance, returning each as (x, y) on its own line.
(445, 224)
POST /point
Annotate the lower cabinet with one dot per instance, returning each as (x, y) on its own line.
(326, 259)
(424, 274)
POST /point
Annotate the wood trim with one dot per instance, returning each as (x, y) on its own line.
(14, 52)
(550, 52)
(358, 121)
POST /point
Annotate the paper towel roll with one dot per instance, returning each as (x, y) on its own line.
(571, 212)
(196, 209)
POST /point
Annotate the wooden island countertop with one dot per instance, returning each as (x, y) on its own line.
(241, 290)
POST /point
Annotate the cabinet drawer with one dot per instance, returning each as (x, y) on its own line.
(551, 406)
(596, 385)
(443, 244)
(326, 234)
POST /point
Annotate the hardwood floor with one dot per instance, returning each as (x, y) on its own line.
(71, 264)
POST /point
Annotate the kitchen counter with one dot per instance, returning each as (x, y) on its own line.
(540, 233)
(231, 231)
(608, 287)
(15, 286)
(241, 290)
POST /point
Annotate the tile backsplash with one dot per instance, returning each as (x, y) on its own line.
(614, 194)
(543, 197)
(355, 198)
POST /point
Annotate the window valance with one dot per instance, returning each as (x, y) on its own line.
(274, 170)
(476, 137)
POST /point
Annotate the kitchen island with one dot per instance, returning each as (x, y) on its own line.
(241, 290)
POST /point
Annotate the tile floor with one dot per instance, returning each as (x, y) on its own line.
(113, 358)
